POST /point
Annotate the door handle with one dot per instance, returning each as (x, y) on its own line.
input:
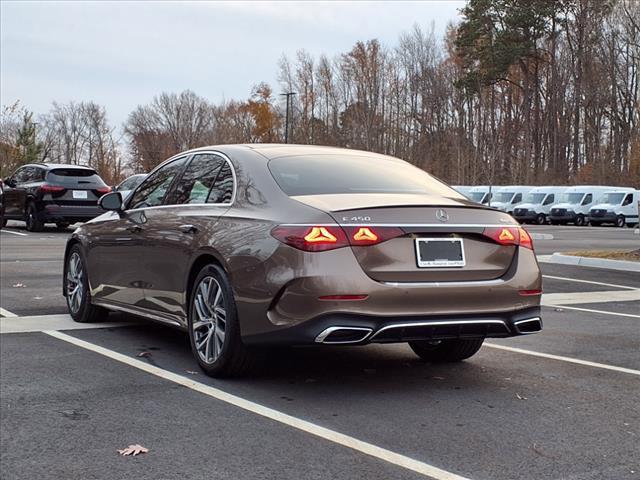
(188, 228)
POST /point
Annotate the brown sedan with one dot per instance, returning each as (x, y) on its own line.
(255, 245)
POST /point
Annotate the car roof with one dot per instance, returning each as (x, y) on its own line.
(51, 166)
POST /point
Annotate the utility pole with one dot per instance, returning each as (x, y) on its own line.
(286, 121)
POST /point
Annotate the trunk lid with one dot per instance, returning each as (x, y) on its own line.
(420, 217)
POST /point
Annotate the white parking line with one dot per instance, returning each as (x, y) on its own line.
(297, 423)
(39, 323)
(7, 313)
(589, 282)
(564, 359)
(576, 298)
(603, 312)
(15, 233)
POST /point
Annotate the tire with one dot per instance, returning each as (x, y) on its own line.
(621, 222)
(34, 224)
(62, 225)
(541, 219)
(446, 351)
(79, 303)
(580, 221)
(212, 309)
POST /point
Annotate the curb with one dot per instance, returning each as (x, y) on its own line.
(562, 259)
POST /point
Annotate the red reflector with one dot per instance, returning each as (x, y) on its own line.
(51, 188)
(344, 297)
(103, 190)
(529, 293)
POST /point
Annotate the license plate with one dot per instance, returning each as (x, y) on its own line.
(80, 194)
(439, 252)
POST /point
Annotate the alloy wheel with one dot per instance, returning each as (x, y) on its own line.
(209, 323)
(75, 286)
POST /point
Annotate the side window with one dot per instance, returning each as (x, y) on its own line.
(29, 175)
(628, 199)
(38, 175)
(222, 190)
(19, 176)
(151, 192)
(549, 199)
(587, 199)
(517, 198)
(197, 180)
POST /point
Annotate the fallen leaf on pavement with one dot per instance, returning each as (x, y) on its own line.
(133, 450)
(520, 397)
(191, 372)
(144, 354)
(559, 309)
(19, 285)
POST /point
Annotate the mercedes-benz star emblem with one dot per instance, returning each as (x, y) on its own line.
(442, 215)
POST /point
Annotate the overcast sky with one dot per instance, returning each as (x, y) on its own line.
(121, 54)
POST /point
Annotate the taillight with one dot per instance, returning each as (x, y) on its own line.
(363, 236)
(320, 238)
(516, 236)
(317, 238)
(45, 188)
(103, 190)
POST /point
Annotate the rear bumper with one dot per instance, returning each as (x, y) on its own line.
(335, 329)
(53, 212)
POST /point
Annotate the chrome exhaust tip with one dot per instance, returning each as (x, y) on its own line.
(528, 325)
(343, 335)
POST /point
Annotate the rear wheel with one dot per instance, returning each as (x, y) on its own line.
(444, 351)
(541, 219)
(76, 287)
(580, 221)
(214, 329)
(621, 222)
(34, 224)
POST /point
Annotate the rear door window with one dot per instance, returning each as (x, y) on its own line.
(222, 190)
(151, 192)
(198, 179)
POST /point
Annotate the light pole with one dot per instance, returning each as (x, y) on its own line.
(286, 121)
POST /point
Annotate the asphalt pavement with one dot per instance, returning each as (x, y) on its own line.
(561, 404)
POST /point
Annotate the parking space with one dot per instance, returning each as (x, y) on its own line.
(559, 404)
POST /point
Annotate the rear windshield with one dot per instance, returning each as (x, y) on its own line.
(73, 172)
(335, 174)
(70, 176)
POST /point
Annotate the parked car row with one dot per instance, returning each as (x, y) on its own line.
(55, 193)
(578, 205)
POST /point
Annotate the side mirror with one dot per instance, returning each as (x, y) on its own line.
(111, 201)
(10, 183)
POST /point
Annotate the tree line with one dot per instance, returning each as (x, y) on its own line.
(518, 92)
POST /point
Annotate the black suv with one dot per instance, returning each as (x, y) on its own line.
(52, 193)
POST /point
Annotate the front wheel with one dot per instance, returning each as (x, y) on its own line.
(76, 289)
(214, 329)
(580, 221)
(34, 224)
(541, 219)
(445, 351)
(621, 222)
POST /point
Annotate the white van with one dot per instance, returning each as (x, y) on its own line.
(574, 204)
(507, 198)
(480, 194)
(536, 205)
(619, 206)
(463, 189)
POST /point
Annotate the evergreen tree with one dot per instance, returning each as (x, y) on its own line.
(29, 149)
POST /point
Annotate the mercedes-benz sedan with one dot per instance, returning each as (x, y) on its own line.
(246, 246)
